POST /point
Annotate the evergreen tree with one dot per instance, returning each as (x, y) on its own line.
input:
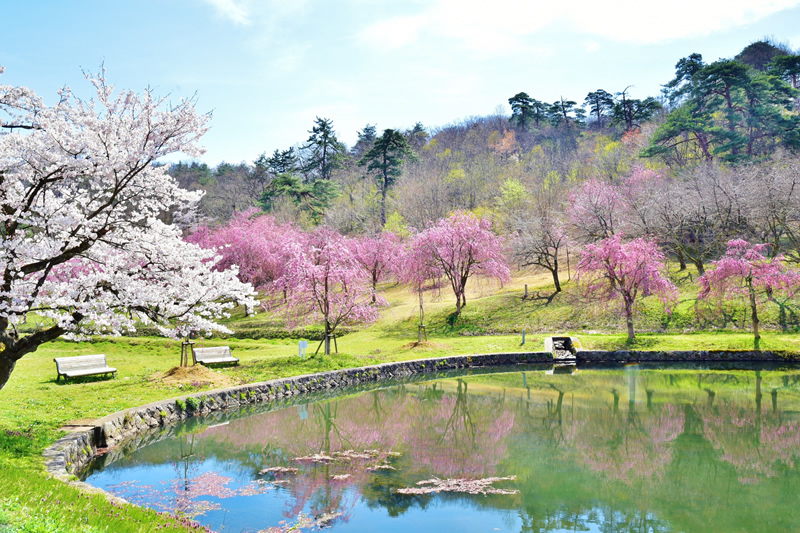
(282, 162)
(787, 68)
(632, 112)
(730, 112)
(677, 89)
(417, 136)
(323, 150)
(559, 111)
(366, 138)
(385, 159)
(522, 112)
(600, 104)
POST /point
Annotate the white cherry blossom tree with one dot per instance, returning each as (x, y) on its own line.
(81, 241)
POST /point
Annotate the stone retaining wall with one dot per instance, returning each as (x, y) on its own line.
(72, 453)
(720, 356)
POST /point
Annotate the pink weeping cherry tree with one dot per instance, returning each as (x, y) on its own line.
(744, 272)
(612, 270)
(418, 269)
(379, 255)
(253, 243)
(324, 281)
(463, 246)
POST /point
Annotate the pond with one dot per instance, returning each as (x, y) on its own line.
(636, 448)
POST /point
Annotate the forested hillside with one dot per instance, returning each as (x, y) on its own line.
(710, 159)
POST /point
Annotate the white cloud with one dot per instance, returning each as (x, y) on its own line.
(650, 22)
(394, 33)
(491, 28)
(483, 27)
(231, 10)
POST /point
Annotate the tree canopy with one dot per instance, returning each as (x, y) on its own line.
(80, 207)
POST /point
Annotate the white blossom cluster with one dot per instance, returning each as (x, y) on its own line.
(82, 204)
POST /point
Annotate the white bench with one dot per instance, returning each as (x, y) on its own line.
(213, 355)
(83, 365)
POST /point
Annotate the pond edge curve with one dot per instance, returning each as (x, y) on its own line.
(72, 452)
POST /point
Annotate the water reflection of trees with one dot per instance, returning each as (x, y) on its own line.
(613, 450)
(757, 443)
(411, 435)
(717, 431)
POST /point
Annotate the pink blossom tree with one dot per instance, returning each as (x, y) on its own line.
(379, 255)
(253, 243)
(612, 270)
(463, 246)
(324, 281)
(744, 272)
(418, 269)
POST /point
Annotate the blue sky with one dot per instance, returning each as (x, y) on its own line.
(267, 68)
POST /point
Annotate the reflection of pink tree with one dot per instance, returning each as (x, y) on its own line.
(626, 448)
(755, 445)
(341, 445)
(451, 439)
(744, 272)
(614, 270)
(186, 494)
(334, 451)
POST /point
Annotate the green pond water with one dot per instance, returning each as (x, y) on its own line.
(622, 449)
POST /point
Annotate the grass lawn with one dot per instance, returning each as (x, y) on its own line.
(34, 406)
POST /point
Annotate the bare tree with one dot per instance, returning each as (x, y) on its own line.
(699, 212)
(538, 234)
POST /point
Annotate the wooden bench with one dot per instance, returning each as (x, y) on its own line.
(213, 355)
(82, 365)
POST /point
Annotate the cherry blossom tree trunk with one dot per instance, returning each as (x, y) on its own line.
(753, 308)
(554, 271)
(14, 348)
(7, 365)
(629, 319)
(327, 337)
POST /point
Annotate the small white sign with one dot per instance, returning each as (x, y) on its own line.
(302, 349)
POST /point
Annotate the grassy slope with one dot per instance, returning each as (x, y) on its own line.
(34, 406)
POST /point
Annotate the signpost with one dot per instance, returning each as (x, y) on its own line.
(302, 349)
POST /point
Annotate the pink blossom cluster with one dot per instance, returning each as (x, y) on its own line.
(745, 264)
(458, 248)
(614, 270)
